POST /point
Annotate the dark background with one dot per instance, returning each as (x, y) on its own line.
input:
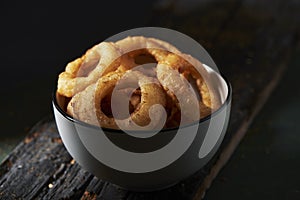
(38, 38)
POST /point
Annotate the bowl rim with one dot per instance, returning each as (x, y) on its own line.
(117, 131)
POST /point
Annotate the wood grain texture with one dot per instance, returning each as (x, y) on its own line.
(249, 41)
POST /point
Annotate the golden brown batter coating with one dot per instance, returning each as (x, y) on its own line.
(178, 82)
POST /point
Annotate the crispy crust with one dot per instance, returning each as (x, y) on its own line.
(86, 70)
(89, 79)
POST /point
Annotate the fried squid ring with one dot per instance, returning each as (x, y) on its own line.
(174, 83)
(166, 54)
(129, 44)
(204, 83)
(87, 105)
(193, 71)
(151, 94)
(82, 106)
(133, 47)
(86, 70)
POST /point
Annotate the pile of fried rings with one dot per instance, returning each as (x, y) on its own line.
(174, 80)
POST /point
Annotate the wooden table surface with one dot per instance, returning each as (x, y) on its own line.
(251, 42)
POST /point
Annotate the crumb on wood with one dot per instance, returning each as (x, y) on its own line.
(89, 196)
(57, 140)
(72, 162)
(27, 140)
(36, 134)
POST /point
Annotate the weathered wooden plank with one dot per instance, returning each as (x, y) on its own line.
(251, 50)
(32, 170)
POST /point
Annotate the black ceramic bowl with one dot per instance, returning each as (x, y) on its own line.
(145, 164)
